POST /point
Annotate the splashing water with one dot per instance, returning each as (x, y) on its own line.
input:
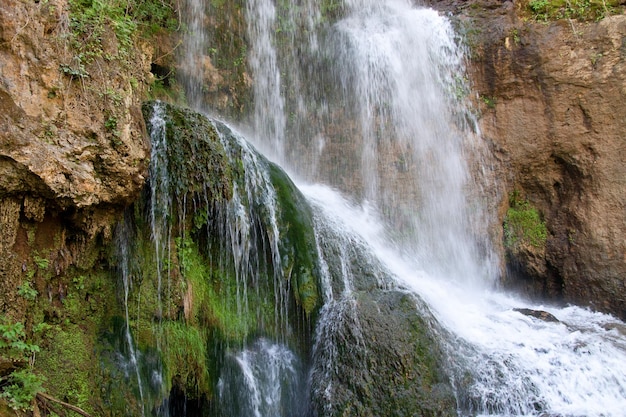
(502, 362)
(262, 380)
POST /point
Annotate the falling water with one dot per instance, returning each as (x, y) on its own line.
(271, 124)
(193, 57)
(249, 226)
(381, 117)
(160, 200)
(500, 361)
(123, 237)
(264, 379)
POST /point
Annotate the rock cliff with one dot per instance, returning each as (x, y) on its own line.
(72, 144)
(552, 100)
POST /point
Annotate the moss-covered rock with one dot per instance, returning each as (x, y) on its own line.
(297, 241)
(388, 361)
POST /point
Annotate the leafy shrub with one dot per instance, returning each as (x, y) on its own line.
(20, 386)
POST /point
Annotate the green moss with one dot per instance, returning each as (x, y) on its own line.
(68, 360)
(196, 158)
(523, 225)
(297, 241)
(212, 296)
(184, 353)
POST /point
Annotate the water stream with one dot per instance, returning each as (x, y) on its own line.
(367, 110)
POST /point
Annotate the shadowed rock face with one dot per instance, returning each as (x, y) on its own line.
(551, 98)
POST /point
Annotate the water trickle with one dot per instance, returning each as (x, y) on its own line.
(264, 379)
(160, 200)
(124, 265)
(250, 229)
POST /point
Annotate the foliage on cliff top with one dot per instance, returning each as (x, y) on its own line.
(90, 18)
(583, 10)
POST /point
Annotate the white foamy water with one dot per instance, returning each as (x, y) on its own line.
(518, 365)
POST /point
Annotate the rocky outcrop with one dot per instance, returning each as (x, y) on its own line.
(69, 134)
(390, 362)
(73, 149)
(552, 99)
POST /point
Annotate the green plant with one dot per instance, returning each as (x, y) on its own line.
(19, 387)
(12, 341)
(583, 10)
(490, 102)
(79, 282)
(27, 291)
(539, 9)
(515, 35)
(595, 57)
(523, 225)
(77, 71)
(111, 123)
(42, 263)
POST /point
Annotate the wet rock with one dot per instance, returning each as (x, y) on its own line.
(389, 362)
(538, 314)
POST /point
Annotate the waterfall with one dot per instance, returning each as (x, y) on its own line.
(262, 380)
(382, 118)
(378, 118)
(364, 103)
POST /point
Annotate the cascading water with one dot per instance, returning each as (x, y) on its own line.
(387, 72)
(367, 97)
(264, 379)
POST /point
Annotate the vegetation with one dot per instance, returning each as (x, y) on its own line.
(100, 52)
(185, 355)
(21, 385)
(90, 19)
(214, 296)
(583, 10)
(523, 225)
(297, 239)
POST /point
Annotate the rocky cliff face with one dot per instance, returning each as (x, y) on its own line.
(552, 100)
(72, 144)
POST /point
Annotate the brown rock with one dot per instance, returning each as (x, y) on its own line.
(53, 126)
(553, 104)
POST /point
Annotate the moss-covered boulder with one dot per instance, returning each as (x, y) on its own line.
(388, 361)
